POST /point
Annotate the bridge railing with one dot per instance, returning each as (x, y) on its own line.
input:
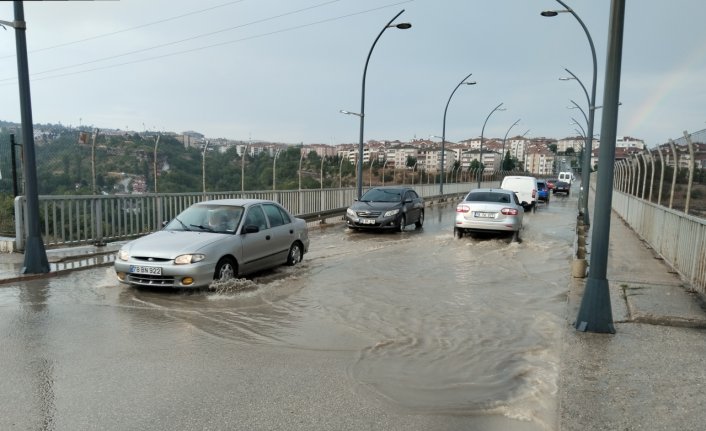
(68, 220)
(677, 237)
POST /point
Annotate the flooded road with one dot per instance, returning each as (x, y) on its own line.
(412, 331)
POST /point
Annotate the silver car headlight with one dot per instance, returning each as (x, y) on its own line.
(186, 259)
(123, 254)
(351, 213)
(391, 212)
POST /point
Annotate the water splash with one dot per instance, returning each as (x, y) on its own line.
(223, 287)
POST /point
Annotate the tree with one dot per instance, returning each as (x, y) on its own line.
(508, 162)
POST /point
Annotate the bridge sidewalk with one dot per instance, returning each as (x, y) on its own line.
(649, 375)
(60, 261)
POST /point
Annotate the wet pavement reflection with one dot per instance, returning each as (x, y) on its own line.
(397, 325)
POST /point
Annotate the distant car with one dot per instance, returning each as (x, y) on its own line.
(542, 191)
(386, 208)
(525, 187)
(551, 182)
(489, 210)
(214, 240)
(562, 187)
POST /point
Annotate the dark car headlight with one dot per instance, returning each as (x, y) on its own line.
(351, 213)
(391, 212)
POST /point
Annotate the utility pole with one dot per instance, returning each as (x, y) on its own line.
(36, 261)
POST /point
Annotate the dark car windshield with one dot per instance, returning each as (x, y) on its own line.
(382, 195)
(488, 197)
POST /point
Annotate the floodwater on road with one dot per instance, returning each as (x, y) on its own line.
(386, 330)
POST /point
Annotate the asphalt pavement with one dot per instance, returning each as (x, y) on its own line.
(649, 375)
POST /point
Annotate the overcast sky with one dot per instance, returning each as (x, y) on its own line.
(281, 70)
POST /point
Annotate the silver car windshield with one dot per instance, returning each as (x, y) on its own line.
(208, 218)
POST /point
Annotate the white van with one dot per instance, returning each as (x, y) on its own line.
(524, 187)
(567, 177)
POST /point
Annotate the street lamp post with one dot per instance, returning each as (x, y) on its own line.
(480, 156)
(203, 168)
(242, 170)
(587, 147)
(156, 143)
(301, 157)
(274, 170)
(35, 261)
(443, 130)
(361, 115)
(502, 159)
(595, 313)
(340, 173)
(586, 169)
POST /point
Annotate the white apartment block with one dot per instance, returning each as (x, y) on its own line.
(628, 142)
(540, 162)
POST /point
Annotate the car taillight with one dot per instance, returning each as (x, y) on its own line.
(463, 209)
(508, 211)
(534, 193)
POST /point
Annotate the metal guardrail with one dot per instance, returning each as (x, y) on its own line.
(677, 237)
(98, 219)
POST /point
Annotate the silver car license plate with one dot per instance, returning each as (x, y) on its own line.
(367, 221)
(151, 270)
(483, 215)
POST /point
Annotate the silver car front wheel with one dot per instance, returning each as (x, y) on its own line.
(225, 269)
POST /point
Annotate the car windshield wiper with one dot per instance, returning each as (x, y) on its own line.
(181, 223)
(206, 228)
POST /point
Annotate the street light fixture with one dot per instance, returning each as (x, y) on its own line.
(361, 115)
(443, 131)
(480, 156)
(586, 169)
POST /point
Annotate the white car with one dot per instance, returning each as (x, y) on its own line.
(214, 240)
(489, 210)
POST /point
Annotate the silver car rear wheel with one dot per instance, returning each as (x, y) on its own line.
(295, 254)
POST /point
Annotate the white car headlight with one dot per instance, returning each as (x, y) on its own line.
(392, 212)
(185, 259)
(351, 213)
(123, 254)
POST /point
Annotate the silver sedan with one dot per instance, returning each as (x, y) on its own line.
(214, 240)
(489, 210)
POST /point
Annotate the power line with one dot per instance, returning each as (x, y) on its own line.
(56, 69)
(99, 36)
(7, 81)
